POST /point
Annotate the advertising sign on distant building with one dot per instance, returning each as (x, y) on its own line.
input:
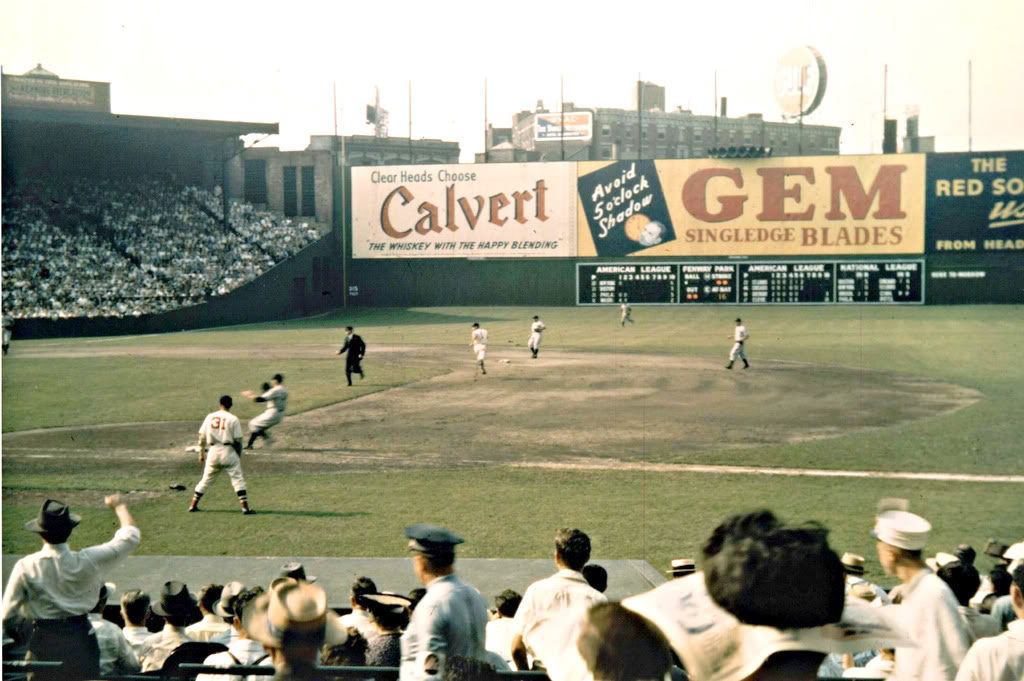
(849, 205)
(56, 93)
(975, 202)
(508, 210)
(577, 126)
(800, 80)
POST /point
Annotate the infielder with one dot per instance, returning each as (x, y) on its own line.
(536, 334)
(478, 341)
(739, 336)
(626, 311)
(277, 401)
(221, 433)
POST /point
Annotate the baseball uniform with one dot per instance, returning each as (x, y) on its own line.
(739, 335)
(626, 311)
(277, 401)
(8, 332)
(219, 434)
(479, 342)
(536, 334)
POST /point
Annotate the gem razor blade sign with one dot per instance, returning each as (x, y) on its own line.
(834, 205)
(511, 210)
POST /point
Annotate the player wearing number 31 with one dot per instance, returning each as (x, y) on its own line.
(536, 333)
(221, 434)
(739, 336)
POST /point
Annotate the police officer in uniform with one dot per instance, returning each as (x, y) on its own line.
(452, 617)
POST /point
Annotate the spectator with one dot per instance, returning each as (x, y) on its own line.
(359, 618)
(1002, 609)
(293, 569)
(681, 567)
(53, 589)
(501, 627)
(224, 608)
(176, 606)
(617, 644)
(416, 595)
(242, 650)
(853, 568)
(135, 612)
(211, 625)
(1000, 658)
(596, 576)
(452, 617)
(116, 655)
(930, 607)
(963, 580)
(565, 590)
(293, 622)
(390, 616)
(351, 653)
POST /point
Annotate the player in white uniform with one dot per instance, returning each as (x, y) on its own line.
(221, 433)
(536, 334)
(739, 336)
(626, 311)
(8, 332)
(478, 341)
(277, 401)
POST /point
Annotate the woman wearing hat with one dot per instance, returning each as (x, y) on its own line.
(390, 616)
(51, 591)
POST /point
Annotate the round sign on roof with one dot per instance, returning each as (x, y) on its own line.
(800, 80)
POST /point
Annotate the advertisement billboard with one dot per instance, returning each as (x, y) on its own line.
(824, 205)
(974, 202)
(577, 126)
(508, 210)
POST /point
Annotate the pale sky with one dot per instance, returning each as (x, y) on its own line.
(277, 61)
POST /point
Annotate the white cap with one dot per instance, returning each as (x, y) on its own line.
(902, 529)
(1015, 552)
(940, 559)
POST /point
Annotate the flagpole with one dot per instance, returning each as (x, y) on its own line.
(486, 131)
(561, 108)
(411, 159)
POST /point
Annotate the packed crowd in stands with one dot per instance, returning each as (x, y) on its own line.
(772, 601)
(116, 248)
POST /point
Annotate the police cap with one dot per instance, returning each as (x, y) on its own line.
(431, 539)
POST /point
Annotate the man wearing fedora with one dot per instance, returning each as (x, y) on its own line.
(292, 622)
(853, 568)
(176, 606)
(928, 607)
(452, 617)
(51, 591)
(242, 649)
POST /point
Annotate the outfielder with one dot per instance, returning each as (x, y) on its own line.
(626, 311)
(536, 334)
(739, 336)
(277, 401)
(8, 332)
(221, 433)
(478, 341)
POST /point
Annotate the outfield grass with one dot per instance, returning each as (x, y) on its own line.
(512, 512)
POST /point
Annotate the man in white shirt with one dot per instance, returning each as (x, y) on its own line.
(478, 341)
(221, 433)
(928, 605)
(547, 598)
(739, 336)
(536, 335)
(211, 625)
(175, 606)
(359, 618)
(1000, 658)
(502, 627)
(134, 612)
(51, 591)
(276, 400)
(116, 655)
(242, 650)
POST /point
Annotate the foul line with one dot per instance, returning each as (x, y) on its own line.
(792, 472)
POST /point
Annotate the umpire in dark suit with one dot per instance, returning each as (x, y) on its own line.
(356, 349)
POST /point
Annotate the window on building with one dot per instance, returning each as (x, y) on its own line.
(256, 181)
(698, 135)
(606, 152)
(308, 191)
(748, 137)
(291, 192)
(682, 151)
(606, 130)
(643, 134)
(661, 135)
(698, 152)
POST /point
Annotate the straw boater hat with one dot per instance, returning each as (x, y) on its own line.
(853, 564)
(682, 567)
(293, 612)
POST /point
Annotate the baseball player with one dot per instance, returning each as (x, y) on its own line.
(626, 311)
(478, 341)
(739, 336)
(356, 351)
(277, 401)
(536, 334)
(8, 331)
(221, 433)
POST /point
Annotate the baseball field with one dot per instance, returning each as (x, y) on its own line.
(638, 435)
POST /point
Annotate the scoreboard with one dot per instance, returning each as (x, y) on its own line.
(751, 283)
